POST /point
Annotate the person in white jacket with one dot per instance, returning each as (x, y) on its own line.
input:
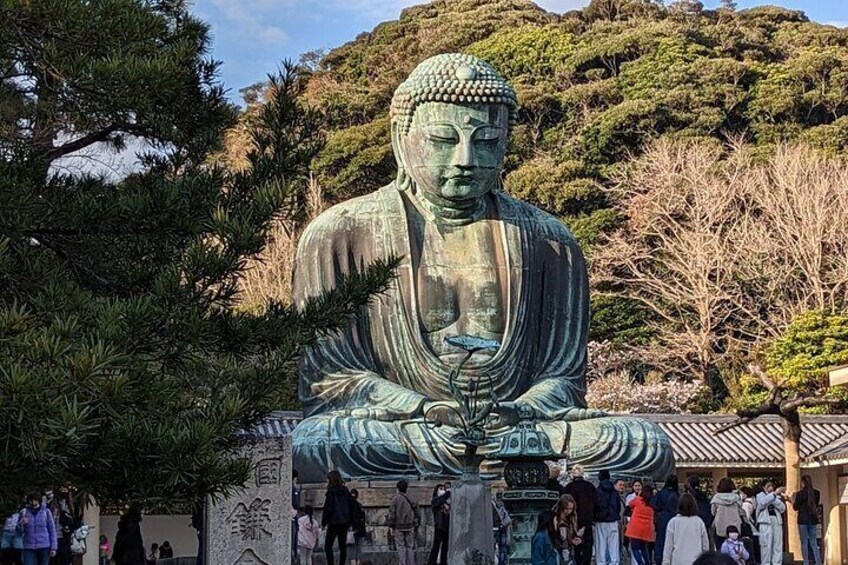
(770, 509)
(686, 536)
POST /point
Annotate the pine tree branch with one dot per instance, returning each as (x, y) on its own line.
(91, 279)
(81, 143)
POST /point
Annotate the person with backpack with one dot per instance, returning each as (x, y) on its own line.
(336, 517)
(440, 506)
(308, 530)
(806, 504)
(404, 519)
(129, 545)
(569, 536)
(584, 493)
(38, 527)
(607, 518)
(665, 504)
(500, 526)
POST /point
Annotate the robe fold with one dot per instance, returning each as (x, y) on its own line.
(363, 388)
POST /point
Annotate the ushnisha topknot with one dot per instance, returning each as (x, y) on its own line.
(451, 77)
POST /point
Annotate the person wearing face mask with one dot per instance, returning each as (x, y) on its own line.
(440, 506)
(733, 546)
(770, 509)
(39, 531)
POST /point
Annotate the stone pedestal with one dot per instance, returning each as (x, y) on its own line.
(471, 541)
(524, 506)
(253, 527)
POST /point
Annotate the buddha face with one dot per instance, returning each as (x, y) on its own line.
(454, 152)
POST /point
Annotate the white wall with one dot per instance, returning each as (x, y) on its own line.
(156, 529)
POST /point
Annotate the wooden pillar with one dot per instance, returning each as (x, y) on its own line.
(717, 474)
(834, 521)
(91, 516)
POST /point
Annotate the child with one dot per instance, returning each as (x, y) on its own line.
(104, 550)
(733, 546)
(307, 535)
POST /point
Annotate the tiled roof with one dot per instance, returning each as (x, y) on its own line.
(758, 444)
(278, 424)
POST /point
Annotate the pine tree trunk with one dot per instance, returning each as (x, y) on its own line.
(792, 456)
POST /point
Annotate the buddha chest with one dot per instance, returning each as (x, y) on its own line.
(461, 281)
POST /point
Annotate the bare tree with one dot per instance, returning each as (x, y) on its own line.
(725, 250)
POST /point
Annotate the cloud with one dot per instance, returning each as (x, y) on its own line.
(561, 6)
(248, 18)
(837, 23)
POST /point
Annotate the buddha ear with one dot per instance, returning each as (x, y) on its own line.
(403, 181)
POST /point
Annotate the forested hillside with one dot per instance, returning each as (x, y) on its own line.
(740, 91)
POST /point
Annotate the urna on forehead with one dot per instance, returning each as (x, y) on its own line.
(453, 78)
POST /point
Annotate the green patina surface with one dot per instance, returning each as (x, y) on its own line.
(475, 261)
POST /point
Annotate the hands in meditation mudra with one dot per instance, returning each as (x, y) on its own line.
(475, 261)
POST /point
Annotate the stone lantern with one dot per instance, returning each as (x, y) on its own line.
(524, 452)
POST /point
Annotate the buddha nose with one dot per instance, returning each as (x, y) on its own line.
(464, 155)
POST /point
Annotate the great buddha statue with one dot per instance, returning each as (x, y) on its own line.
(475, 261)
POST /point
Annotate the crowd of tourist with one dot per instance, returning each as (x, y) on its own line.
(48, 530)
(611, 522)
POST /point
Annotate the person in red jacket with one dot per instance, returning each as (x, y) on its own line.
(640, 529)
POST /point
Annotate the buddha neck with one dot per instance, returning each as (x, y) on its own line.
(448, 212)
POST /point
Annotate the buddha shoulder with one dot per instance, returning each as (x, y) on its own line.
(542, 224)
(349, 219)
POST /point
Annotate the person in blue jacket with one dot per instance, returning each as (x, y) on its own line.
(39, 531)
(543, 548)
(665, 508)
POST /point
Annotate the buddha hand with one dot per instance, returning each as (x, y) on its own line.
(443, 412)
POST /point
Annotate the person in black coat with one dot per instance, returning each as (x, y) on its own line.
(129, 547)
(440, 506)
(166, 551)
(806, 504)
(584, 494)
(665, 504)
(336, 516)
(358, 526)
(705, 512)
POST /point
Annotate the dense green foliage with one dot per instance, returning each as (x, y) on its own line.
(126, 369)
(799, 360)
(595, 85)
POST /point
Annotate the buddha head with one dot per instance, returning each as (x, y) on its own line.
(450, 121)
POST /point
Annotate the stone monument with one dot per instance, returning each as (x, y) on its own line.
(474, 261)
(253, 527)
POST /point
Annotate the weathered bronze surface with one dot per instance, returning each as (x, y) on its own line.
(475, 261)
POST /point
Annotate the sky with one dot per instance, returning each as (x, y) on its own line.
(251, 37)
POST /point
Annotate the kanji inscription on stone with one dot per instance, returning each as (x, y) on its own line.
(268, 472)
(253, 525)
(249, 557)
(250, 520)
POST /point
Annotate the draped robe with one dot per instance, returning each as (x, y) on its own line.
(363, 388)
